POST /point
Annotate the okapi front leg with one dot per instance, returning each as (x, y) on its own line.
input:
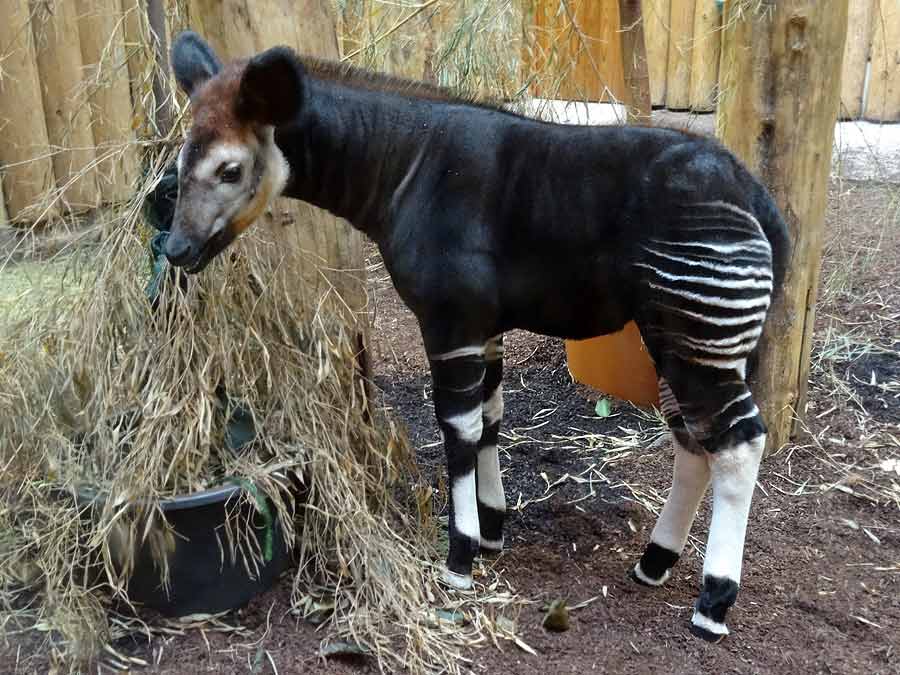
(491, 498)
(458, 377)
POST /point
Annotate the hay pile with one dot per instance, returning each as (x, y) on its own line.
(101, 390)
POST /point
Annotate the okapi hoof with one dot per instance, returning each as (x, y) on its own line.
(707, 629)
(460, 582)
(639, 577)
(655, 566)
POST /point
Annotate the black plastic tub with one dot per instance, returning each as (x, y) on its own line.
(203, 577)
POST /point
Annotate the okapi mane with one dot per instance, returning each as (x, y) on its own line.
(360, 78)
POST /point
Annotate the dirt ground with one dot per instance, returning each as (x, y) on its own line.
(821, 586)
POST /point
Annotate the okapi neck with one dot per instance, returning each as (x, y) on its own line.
(351, 150)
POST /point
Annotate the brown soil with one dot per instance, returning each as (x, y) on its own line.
(821, 587)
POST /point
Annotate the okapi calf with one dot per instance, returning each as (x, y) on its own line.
(489, 221)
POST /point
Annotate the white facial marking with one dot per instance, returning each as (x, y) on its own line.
(179, 162)
(465, 508)
(734, 471)
(493, 407)
(708, 624)
(277, 168)
(218, 154)
(690, 478)
(490, 480)
(468, 425)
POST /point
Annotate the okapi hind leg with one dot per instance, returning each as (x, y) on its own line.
(458, 379)
(491, 498)
(690, 478)
(734, 465)
(720, 412)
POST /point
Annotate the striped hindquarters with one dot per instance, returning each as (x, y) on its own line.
(709, 284)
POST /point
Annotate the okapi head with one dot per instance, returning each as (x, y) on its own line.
(229, 167)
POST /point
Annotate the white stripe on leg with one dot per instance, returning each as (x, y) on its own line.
(690, 478)
(468, 425)
(465, 506)
(734, 473)
(490, 482)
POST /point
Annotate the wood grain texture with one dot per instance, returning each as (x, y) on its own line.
(24, 144)
(706, 48)
(68, 117)
(856, 57)
(106, 73)
(681, 38)
(656, 37)
(883, 100)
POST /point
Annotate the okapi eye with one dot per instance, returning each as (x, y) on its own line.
(230, 173)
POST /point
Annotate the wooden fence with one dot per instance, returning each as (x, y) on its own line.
(73, 78)
(683, 39)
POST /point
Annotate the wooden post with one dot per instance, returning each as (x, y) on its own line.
(856, 57)
(678, 77)
(780, 76)
(106, 73)
(68, 117)
(241, 28)
(656, 37)
(24, 145)
(705, 55)
(579, 41)
(883, 100)
(634, 62)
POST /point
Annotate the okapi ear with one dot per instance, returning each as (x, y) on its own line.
(271, 88)
(193, 61)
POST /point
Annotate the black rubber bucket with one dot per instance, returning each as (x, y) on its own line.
(203, 577)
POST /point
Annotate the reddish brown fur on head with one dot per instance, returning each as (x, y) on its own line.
(229, 167)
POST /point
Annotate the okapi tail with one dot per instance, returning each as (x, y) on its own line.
(776, 231)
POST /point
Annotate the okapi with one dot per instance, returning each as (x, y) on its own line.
(489, 221)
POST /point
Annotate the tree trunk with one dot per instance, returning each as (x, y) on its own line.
(333, 250)
(780, 75)
(67, 115)
(24, 145)
(103, 52)
(634, 62)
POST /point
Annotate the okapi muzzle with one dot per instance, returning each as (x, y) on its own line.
(229, 168)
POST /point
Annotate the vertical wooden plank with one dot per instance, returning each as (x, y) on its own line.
(106, 73)
(578, 44)
(656, 37)
(856, 57)
(681, 33)
(24, 145)
(55, 27)
(705, 55)
(883, 100)
(634, 62)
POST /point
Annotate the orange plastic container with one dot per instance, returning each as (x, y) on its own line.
(617, 364)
